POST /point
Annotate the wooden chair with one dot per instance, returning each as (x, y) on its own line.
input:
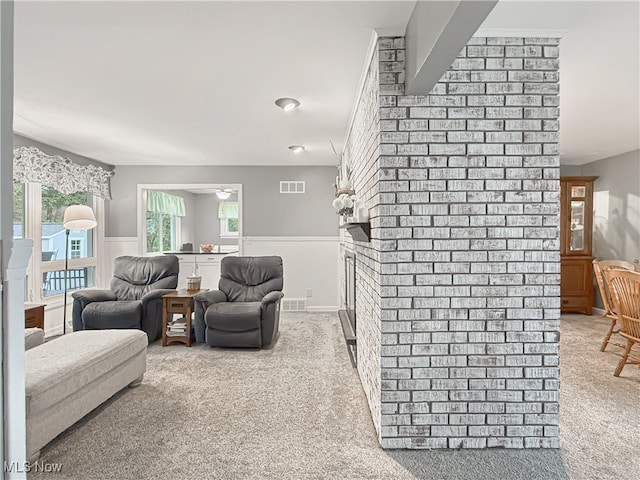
(599, 268)
(625, 292)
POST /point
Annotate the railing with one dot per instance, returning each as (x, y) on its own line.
(54, 281)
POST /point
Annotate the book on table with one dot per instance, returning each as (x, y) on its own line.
(177, 326)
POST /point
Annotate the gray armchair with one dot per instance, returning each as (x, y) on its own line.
(245, 310)
(134, 299)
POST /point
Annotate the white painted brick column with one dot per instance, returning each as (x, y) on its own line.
(460, 283)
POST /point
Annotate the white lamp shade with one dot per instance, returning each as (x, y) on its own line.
(222, 195)
(79, 217)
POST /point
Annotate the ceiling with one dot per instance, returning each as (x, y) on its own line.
(194, 83)
(599, 71)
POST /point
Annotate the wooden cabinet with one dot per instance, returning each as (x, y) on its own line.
(576, 229)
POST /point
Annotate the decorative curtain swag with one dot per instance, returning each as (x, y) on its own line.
(162, 202)
(32, 165)
(228, 210)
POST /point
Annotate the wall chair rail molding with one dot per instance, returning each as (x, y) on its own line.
(30, 164)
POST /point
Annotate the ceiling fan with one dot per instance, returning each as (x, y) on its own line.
(223, 194)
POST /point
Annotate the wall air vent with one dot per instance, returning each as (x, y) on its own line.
(294, 305)
(291, 186)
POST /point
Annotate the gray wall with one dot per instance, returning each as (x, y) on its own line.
(266, 212)
(188, 222)
(616, 232)
(570, 170)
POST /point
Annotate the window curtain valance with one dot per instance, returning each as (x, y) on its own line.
(32, 165)
(162, 202)
(228, 210)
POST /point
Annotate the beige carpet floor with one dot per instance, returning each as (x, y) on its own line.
(298, 412)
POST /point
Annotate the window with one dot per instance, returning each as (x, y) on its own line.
(162, 232)
(229, 227)
(228, 214)
(18, 210)
(164, 211)
(54, 246)
(75, 248)
(52, 230)
(45, 209)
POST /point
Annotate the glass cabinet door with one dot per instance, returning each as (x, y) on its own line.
(577, 226)
(577, 223)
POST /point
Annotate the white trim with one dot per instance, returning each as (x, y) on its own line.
(600, 311)
(248, 240)
(141, 198)
(520, 32)
(15, 256)
(121, 239)
(331, 308)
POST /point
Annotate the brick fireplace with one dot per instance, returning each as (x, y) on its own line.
(458, 291)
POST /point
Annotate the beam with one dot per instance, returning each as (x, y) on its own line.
(436, 32)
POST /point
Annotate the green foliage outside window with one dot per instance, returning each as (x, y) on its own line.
(160, 232)
(54, 203)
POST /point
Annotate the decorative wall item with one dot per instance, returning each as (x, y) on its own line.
(344, 204)
(343, 180)
(32, 165)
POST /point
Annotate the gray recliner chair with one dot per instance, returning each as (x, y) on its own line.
(134, 299)
(245, 310)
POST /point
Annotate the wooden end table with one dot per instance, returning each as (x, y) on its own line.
(178, 302)
(34, 315)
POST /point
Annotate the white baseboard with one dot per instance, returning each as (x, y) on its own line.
(600, 311)
(319, 309)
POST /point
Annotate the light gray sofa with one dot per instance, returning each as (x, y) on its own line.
(68, 377)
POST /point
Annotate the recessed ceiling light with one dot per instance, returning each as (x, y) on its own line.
(287, 104)
(296, 148)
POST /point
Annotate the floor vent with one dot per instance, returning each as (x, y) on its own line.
(294, 305)
(290, 186)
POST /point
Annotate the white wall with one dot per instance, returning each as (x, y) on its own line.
(309, 263)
